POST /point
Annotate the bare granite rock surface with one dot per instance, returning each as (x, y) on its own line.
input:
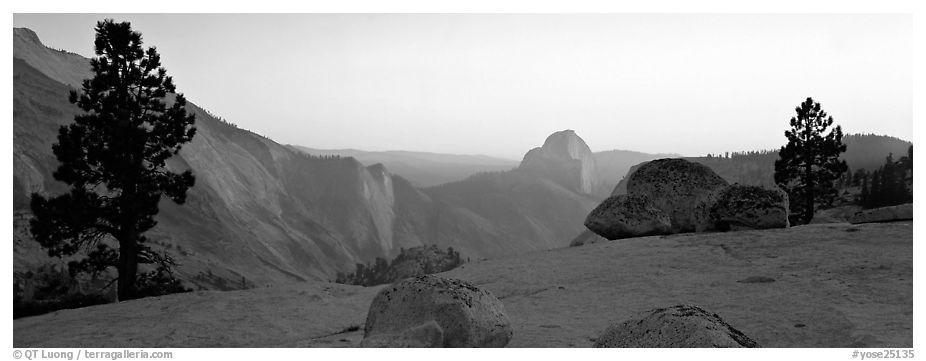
(845, 285)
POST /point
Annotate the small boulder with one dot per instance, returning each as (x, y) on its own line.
(678, 326)
(431, 311)
(627, 215)
(742, 207)
(903, 212)
(684, 190)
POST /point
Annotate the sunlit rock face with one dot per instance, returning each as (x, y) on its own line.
(566, 159)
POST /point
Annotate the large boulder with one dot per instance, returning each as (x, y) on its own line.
(742, 207)
(677, 326)
(431, 311)
(903, 212)
(627, 215)
(684, 190)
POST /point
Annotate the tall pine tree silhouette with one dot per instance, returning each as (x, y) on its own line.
(113, 158)
(809, 163)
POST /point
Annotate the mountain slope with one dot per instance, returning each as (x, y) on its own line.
(544, 200)
(262, 213)
(62, 66)
(234, 190)
(259, 210)
(868, 151)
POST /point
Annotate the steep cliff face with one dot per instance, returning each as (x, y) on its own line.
(566, 159)
(259, 210)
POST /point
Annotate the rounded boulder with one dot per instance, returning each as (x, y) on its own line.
(684, 190)
(627, 215)
(741, 207)
(432, 311)
(677, 326)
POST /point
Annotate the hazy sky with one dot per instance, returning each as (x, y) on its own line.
(499, 84)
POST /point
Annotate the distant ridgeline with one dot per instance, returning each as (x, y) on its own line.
(863, 152)
(415, 261)
(752, 167)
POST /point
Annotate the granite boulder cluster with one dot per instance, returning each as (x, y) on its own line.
(671, 195)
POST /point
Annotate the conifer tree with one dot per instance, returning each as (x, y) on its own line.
(113, 160)
(875, 194)
(889, 186)
(910, 158)
(809, 163)
(865, 197)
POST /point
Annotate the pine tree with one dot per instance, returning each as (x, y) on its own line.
(888, 182)
(809, 163)
(846, 180)
(865, 197)
(113, 160)
(858, 177)
(910, 158)
(875, 194)
(902, 193)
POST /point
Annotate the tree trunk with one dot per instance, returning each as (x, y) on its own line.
(128, 266)
(808, 197)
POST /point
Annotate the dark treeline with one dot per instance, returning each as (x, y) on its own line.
(749, 153)
(890, 184)
(50, 288)
(415, 261)
(221, 119)
(319, 157)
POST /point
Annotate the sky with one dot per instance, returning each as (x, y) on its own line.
(500, 84)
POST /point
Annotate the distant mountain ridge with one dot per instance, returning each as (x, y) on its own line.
(422, 169)
(863, 151)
